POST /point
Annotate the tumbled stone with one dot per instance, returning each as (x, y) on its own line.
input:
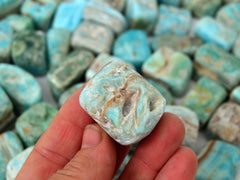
(211, 31)
(190, 121)
(8, 6)
(141, 14)
(70, 71)
(236, 48)
(218, 160)
(29, 51)
(122, 102)
(172, 20)
(15, 165)
(10, 146)
(171, 68)
(235, 95)
(202, 8)
(204, 98)
(107, 16)
(69, 15)
(58, 45)
(6, 34)
(21, 86)
(116, 4)
(218, 65)
(64, 96)
(185, 44)
(132, 46)
(33, 122)
(170, 2)
(93, 36)
(231, 1)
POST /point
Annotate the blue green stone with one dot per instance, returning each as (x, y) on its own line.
(6, 35)
(172, 20)
(21, 86)
(122, 102)
(235, 95)
(10, 146)
(122, 167)
(218, 160)
(231, 1)
(8, 6)
(212, 31)
(116, 4)
(204, 99)
(170, 2)
(236, 48)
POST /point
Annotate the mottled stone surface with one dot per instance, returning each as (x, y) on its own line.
(70, 71)
(231, 1)
(15, 165)
(235, 95)
(21, 86)
(171, 68)
(185, 44)
(6, 35)
(218, 160)
(141, 14)
(190, 121)
(170, 2)
(204, 98)
(202, 8)
(172, 20)
(29, 51)
(10, 146)
(33, 122)
(7, 6)
(58, 45)
(236, 48)
(93, 36)
(116, 4)
(64, 96)
(122, 167)
(132, 46)
(218, 65)
(122, 102)
(107, 16)
(211, 31)
(69, 15)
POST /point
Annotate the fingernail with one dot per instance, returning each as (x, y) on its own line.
(92, 136)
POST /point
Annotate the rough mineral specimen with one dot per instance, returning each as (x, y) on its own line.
(171, 68)
(124, 104)
(116, 4)
(21, 86)
(236, 48)
(204, 98)
(235, 95)
(172, 20)
(211, 31)
(218, 160)
(29, 51)
(7, 6)
(170, 2)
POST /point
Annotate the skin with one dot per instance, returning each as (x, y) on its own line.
(75, 147)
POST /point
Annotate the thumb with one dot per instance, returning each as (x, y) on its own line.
(95, 160)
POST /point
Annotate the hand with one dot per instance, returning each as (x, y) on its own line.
(75, 147)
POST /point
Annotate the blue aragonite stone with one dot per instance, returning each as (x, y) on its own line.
(10, 146)
(69, 15)
(204, 98)
(172, 20)
(15, 165)
(132, 47)
(218, 65)
(230, 1)
(21, 86)
(122, 102)
(6, 35)
(34, 122)
(116, 4)
(141, 14)
(236, 48)
(122, 167)
(218, 160)
(7, 6)
(40, 11)
(170, 2)
(235, 95)
(171, 68)
(58, 45)
(211, 31)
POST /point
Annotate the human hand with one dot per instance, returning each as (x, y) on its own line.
(75, 147)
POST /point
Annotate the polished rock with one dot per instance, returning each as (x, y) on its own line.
(236, 48)
(6, 36)
(8, 6)
(235, 95)
(116, 4)
(170, 2)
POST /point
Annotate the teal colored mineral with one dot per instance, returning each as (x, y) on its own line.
(8, 6)
(132, 47)
(218, 160)
(170, 2)
(29, 51)
(204, 98)
(212, 31)
(231, 1)
(116, 4)
(21, 86)
(235, 95)
(122, 102)
(6, 36)
(171, 68)
(236, 48)
(172, 20)
(70, 71)
(58, 45)
(10, 146)
(141, 14)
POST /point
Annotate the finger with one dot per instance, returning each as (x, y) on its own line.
(183, 163)
(96, 159)
(154, 151)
